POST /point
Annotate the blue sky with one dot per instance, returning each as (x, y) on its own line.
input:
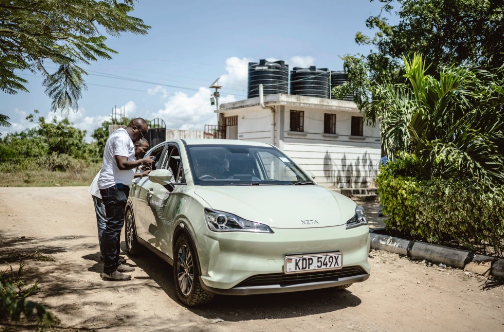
(189, 45)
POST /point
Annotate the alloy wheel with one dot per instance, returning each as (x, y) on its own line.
(185, 270)
(130, 230)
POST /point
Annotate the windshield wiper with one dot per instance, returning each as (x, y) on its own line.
(302, 182)
(243, 184)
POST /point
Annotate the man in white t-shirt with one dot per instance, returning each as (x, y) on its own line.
(114, 180)
(141, 147)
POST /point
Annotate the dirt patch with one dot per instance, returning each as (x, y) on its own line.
(400, 295)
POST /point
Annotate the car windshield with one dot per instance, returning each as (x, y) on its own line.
(221, 165)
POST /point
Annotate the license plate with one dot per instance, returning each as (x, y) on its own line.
(313, 262)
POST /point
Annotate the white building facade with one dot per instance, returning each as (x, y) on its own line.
(324, 136)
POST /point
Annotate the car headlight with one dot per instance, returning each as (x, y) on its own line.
(218, 221)
(358, 219)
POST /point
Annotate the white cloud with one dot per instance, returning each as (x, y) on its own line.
(158, 90)
(301, 61)
(237, 72)
(190, 112)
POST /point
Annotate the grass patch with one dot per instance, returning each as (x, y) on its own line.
(12, 177)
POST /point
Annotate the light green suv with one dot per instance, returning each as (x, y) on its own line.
(239, 218)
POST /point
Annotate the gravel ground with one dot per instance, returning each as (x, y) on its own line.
(400, 295)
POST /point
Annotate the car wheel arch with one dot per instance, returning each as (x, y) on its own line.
(183, 229)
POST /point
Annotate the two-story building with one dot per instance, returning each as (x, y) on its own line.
(325, 136)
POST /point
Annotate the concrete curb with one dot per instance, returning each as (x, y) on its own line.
(461, 259)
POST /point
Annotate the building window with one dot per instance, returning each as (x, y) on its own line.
(231, 120)
(357, 126)
(297, 121)
(329, 123)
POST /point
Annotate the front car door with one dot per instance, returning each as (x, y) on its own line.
(162, 205)
(141, 190)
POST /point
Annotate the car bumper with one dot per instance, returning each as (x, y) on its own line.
(228, 259)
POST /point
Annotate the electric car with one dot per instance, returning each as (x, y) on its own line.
(238, 218)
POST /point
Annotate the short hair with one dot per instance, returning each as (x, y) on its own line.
(137, 122)
(141, 141)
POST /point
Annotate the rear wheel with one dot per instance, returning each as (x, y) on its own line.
(132, 245)
(186, 274)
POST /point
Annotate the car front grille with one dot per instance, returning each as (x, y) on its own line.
(300, 278)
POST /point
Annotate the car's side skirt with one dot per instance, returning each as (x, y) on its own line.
(272, 289)
(159, 253)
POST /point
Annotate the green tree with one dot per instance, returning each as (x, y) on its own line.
(452, 124)
(64, 32)
(447, 32)
(100, 135)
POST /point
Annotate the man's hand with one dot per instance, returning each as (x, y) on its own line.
(146, 173)
(148, 161)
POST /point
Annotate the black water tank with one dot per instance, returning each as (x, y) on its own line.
(338, 78)
(313, 82)
(274, 76)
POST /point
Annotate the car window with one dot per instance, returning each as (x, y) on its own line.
(242, 165)
(158, 153)
(174, 163)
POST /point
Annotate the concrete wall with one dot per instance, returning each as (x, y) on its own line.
(254, 125)
(184, 134)
(340, 160)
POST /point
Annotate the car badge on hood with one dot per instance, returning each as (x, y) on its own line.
(309, 222)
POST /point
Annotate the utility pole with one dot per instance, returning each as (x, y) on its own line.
(215, 99)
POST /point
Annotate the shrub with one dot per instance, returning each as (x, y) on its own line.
(62, 162)
(468, 211)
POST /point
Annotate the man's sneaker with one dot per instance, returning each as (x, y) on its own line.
(124, 268)
(115, 276)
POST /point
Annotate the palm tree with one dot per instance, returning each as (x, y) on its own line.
(454, 124)
(4, 121)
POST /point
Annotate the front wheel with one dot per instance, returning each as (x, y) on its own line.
(132, 245)
(186, 275)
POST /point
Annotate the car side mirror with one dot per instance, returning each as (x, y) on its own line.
(311, 174)
(163, 177)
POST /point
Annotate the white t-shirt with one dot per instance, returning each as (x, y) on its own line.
(118, 144)
(93, 188)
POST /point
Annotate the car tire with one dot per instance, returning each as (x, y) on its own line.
(133, 247)
(189, 291)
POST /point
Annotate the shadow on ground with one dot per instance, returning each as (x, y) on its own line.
(240, 308)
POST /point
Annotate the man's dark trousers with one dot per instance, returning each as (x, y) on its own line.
(115, 199)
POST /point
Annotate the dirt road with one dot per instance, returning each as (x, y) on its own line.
(400, 295)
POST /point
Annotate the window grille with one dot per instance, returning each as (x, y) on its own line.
(357, 126)
(297, 121)
(329, 123)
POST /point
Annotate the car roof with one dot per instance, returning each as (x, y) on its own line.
(223, 142)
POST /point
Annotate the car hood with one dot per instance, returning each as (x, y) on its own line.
(289, 206)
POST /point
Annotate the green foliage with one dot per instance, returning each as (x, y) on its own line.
(453, 124)
(46, 139)
(100, 135)
(4, 121)
(467, 211)
(65, 32)
(13, 300)
(447, 32)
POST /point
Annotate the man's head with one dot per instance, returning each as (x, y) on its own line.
(141, 147)
(137, 129)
